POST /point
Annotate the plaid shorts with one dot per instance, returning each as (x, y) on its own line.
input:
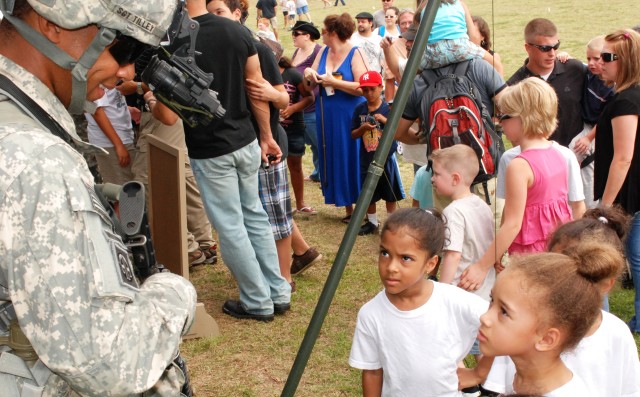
(276, 199)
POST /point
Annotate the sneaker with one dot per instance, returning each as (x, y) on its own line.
(210, 253)
(196, 258)
(234, 309)
(368, 228)
(302, 262)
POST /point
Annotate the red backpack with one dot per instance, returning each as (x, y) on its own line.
(458, 116)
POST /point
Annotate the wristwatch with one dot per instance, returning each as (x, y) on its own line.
(139, 89)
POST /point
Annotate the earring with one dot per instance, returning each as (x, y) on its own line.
(483, 43)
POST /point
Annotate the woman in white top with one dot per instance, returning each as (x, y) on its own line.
(390, 28)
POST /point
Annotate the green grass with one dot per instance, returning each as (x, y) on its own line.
(254, 359)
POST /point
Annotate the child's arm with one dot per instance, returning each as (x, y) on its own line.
(306, 100)
(468, 377)
(472, 29)
(372, 382)
(494, 60)
(107, 128)
(380, 118)
(582, 145)
(449, 265)
(519, 175)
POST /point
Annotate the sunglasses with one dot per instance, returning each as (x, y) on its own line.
(296, 34)
(608, 57)
(126, 50)
(390, 16)
(546, 48)
(504, 117)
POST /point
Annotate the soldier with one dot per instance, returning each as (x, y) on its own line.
(65, 278)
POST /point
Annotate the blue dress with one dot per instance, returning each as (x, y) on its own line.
(339, 154)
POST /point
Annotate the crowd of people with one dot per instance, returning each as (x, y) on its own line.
(525, 260)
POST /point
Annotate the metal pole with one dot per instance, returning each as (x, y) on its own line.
(373, 174)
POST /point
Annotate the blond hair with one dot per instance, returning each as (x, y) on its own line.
(625, 44)
(535, 102)
(596, 43)
(459, 159)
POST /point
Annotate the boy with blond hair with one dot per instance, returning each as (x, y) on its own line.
(469, 218)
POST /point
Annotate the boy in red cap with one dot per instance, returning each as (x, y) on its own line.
(367, 123)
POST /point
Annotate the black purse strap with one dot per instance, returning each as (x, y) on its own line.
(32, 108)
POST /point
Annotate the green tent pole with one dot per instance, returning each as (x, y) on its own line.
(373, 175)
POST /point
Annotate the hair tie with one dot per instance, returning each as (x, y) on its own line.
(603, 219)
(626, 35)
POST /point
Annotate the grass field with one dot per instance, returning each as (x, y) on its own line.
(254, 359)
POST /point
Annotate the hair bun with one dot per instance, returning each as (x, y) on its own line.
(596, 262)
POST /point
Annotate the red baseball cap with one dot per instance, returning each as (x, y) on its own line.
(370, 79)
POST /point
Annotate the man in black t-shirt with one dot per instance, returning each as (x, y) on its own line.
(567, 79)
(225, 156)
(267, 9)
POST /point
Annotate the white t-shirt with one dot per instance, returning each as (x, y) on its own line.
(370, 47)
(116, 109)
(503, 371)
(607, 362)
(419, 349)
(574, 178)
(471, 230)
(291, 7)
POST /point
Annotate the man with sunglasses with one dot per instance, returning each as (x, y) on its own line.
(567, 79)
(67, 287)
(378, 16)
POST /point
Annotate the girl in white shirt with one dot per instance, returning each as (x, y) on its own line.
(410, 337)
(543, 305)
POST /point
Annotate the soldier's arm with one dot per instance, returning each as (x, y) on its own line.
(73, 288)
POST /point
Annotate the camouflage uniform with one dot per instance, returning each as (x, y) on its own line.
(67, 273)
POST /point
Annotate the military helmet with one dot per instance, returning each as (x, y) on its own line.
(144, 20)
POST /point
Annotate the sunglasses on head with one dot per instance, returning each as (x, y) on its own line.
(546, 48)
(125, 50)
(296, 34)
(608, 57)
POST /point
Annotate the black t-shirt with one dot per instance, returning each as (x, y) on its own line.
(292, 79)
(271, 73)
(224, 47)
(624, 103)
(267, 7)
(567, 79)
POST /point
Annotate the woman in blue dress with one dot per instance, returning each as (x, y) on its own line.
(337, 69)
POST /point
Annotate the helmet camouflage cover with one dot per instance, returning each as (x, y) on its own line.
(145, 20)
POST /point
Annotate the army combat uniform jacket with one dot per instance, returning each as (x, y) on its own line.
(67, 274)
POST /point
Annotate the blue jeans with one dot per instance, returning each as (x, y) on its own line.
(633, 256)
(229, 188)
(311, 139)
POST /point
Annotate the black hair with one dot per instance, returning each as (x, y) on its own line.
(427, 227)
